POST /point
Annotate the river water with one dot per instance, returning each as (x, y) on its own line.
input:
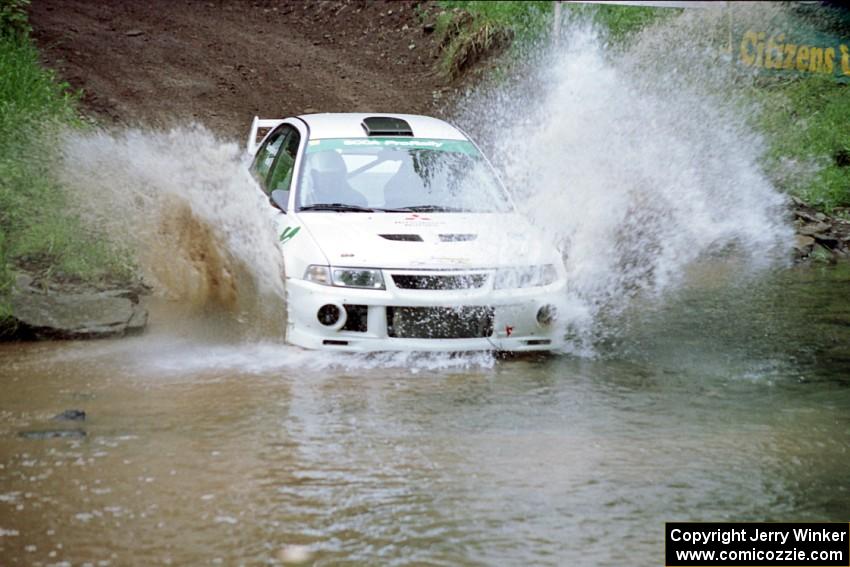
(706, 380)
(729, 401)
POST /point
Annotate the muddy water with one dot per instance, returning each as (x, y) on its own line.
(730, 402)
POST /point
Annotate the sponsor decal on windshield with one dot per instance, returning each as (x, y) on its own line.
(457, 146)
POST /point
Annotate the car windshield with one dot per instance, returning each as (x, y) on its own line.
(404, 174)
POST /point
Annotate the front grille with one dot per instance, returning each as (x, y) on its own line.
(467, 281)
(439, 322)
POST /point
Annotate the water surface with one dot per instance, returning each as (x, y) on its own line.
(730, 402)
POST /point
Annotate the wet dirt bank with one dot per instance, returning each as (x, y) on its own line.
(220, 63)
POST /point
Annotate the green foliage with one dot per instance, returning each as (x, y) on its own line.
(525, 18)
(29, 94)
(13, 19)
(806, 120)
(472, 29)
(619, 22)
(36, 228)
(5, 284)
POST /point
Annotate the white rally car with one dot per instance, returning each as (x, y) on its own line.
(397, 235)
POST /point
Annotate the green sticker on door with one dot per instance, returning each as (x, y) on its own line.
(288, 233)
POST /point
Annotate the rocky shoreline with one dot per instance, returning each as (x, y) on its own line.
(45, 310)
(819, 237)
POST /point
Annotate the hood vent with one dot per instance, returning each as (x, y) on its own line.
(386, 126)
(458, 237)
(402, 237)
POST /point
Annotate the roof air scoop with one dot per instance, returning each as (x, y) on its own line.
(386, 126)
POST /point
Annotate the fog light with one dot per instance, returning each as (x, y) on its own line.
(328, 315)
(546, 314)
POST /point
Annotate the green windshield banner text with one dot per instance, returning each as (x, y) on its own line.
(457, 146)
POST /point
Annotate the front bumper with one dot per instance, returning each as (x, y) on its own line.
(514, 317)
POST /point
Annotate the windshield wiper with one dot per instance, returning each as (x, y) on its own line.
(431, 209)
(337, 207)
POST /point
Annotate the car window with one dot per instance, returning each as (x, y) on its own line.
(392, 173)
(281, 175)
(371, 185)
(266, 155)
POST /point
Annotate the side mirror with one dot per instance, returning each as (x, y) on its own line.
(280, 199)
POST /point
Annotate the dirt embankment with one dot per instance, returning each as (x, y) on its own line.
(162, 62)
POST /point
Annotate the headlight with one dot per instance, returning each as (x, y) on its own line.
(358, 277)
(364, 278)
(527, 276)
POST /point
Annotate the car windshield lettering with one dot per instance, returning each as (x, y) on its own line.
(398, 175)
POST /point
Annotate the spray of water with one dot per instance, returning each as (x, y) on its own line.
(635, 167)
(183, 204)
(638, 162)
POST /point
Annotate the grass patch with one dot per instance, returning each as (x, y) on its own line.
(36, 228)
(470, 30)
(618, 23)
(807, 121)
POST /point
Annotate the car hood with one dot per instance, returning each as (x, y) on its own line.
(448, 240)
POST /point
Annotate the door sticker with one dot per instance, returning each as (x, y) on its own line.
(288, 233)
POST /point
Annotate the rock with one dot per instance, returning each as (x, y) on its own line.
(23, 281)
(133, 33)
(75, 315)
(827, 240)
(804, 244)
(823, 254)
(810, 229)
(53, 434)
(429, 29)
(70, 415)
(131, 294)
(138, 321)
(806, 215)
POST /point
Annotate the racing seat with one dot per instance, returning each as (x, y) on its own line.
(405, 188)
(328, 176)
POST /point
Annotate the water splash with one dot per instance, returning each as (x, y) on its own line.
(182, 202)
(636, 170)
(179, 355)
(638, 161)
